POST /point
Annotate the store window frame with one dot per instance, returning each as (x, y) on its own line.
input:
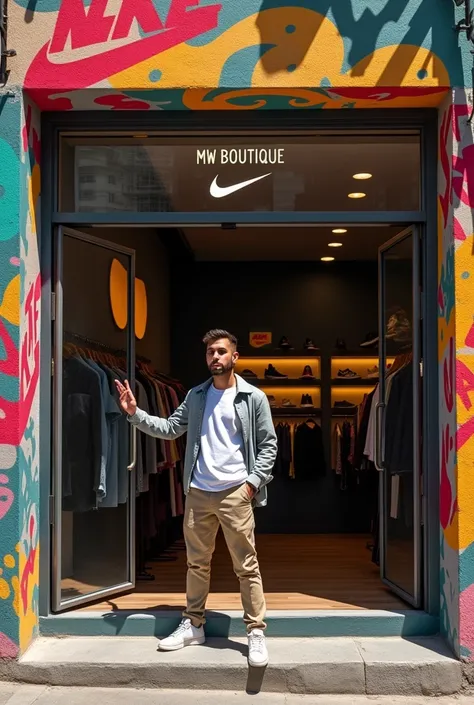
(371, 121)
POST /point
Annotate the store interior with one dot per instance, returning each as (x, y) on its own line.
(317, 539)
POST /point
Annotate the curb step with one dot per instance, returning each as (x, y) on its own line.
(364, 666)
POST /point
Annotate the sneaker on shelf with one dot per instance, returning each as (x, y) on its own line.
(285, 343)
(307, 400)
(272, 373)
(341, 345)
(271, 400)
(258, 653)
(287, 403)
(309, 345)
(184, 635)
(344, 405)
(347, 374)
(373, 372)
(371, 340)
(307, 373)
(249, 374)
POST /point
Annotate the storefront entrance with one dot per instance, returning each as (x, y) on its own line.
(333, 319)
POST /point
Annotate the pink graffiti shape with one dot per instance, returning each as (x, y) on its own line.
(464, 383)
(28, 569)
(121, 102)
(448, 377)
(6, 501)
(8, 648)
(459, 233)
(445, 198)
(182, 25)
(465, 433)
(446, 492)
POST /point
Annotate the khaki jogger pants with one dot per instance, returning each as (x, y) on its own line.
(233, 511)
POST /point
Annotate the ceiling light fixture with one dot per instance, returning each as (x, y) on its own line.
(334, 244)
(362, 176)
(327, 259)
(339, 231)
(357, 194)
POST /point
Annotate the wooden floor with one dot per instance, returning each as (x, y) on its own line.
(300, 572)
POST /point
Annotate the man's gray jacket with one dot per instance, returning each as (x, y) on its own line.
(258, 432)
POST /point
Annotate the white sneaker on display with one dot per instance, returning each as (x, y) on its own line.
(184, 635)
(258, 654)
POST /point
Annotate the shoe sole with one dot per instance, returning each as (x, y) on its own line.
(190, 642)
(258, 665)
(275, 378)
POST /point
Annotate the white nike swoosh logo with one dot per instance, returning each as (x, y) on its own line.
(219, 192)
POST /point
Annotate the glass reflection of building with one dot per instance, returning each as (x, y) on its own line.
(123, 179)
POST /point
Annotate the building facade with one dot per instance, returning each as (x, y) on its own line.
(256, 55)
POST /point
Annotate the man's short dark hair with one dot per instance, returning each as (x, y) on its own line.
(218, 333)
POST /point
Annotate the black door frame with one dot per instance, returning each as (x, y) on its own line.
(369, 121)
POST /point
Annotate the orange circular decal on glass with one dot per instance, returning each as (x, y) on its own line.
(141, 308)
(119, 303)
(118, 293)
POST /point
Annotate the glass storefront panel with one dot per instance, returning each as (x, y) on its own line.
(95, 450)
(253, 173)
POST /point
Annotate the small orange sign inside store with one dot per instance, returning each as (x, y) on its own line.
(258, 340)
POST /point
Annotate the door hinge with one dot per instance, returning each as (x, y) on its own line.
(52, 506)
(53, 306)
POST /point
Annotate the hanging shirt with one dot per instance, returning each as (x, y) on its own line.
(220, 464)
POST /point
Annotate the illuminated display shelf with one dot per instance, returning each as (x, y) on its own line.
(283, 382)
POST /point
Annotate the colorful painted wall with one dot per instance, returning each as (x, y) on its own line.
(456, 355)
(20, 292)
(145, 55)
(246, 54)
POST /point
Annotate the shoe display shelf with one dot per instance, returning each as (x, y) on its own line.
(353, 389)
(287, 362)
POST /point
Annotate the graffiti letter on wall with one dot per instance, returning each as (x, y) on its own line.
(143, 11)
(29, 372)
(84, 28)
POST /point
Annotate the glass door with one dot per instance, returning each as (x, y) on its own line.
(398, 415)
(93, 500)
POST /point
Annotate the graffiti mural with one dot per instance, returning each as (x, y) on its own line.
(20, 290)
(196, 55)
(456, 348)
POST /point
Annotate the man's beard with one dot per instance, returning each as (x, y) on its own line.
(221, 370)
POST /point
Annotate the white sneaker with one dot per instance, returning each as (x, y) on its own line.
(258, 654)
(184, 635)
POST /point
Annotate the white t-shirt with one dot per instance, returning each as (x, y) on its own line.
(220, 464)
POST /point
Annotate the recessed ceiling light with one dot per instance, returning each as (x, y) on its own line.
(362, 176)
(335, 244)
(357, 194)
(327, 259)
(339, 231)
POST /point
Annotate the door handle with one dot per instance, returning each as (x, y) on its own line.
(379, 409)
(133, 459)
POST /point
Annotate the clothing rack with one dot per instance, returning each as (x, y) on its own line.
(70, 337)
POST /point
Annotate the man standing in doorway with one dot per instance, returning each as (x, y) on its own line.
(230, 452)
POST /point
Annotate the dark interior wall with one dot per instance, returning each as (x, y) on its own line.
(298, 300)
(323, 302)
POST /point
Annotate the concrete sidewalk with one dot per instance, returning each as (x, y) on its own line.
(384, 666)
(43, 695)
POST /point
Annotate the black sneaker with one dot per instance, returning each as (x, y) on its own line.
(371, 340)
(249, 374)
(271, 400)
(347, 374)
(307, 373)
(307, 400)
(341, 344)
(309, 345)
(272, 373)
(344, 405)
(285, 344)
